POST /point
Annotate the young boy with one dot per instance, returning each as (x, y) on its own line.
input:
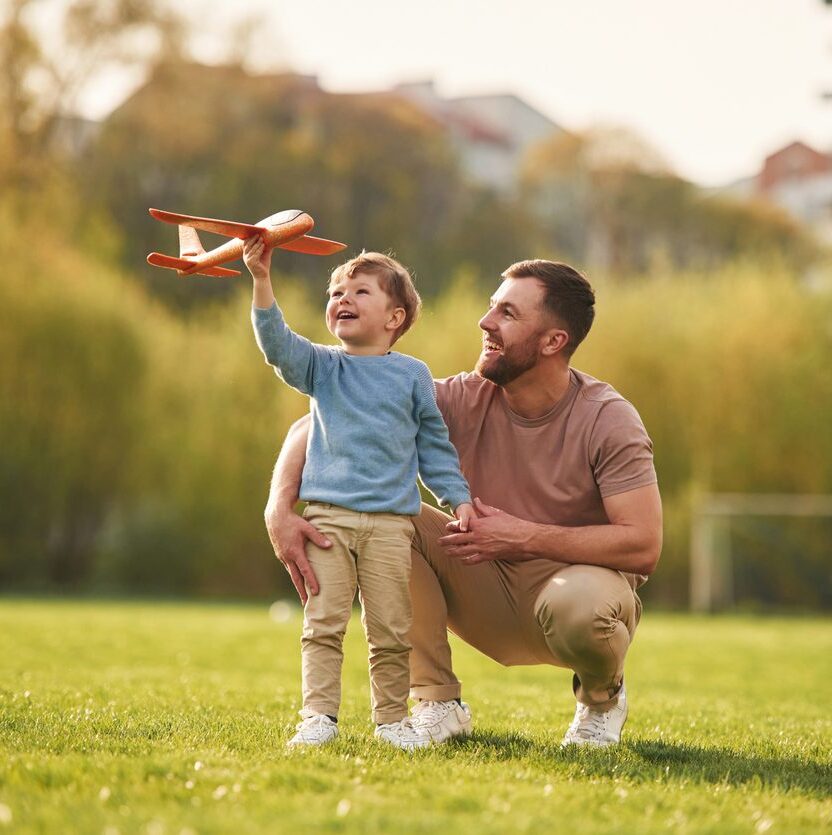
(375, 425)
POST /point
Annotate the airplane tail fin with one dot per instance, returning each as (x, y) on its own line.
(189, 243)
(182, 265)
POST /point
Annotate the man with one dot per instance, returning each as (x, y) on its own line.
(569, 514)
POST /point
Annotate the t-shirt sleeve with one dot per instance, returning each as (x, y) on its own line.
(621, 452)
(448, 391)
(297, 361)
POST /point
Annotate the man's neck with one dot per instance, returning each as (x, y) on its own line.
(536, 392)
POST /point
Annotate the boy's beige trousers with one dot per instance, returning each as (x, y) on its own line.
(581, 617)
(370, 551)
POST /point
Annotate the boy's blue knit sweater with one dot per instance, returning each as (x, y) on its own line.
(375, 423)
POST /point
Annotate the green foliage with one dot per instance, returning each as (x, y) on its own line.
(138, 443)
(73, 364)
(729, 373)
(374, 170)
(607, 202)
(43, 78)
(174, 718)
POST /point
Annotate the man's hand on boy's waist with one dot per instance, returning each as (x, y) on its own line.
(288, 533)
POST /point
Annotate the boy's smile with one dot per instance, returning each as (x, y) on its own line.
(361, 315)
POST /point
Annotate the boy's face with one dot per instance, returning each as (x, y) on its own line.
(361, 314)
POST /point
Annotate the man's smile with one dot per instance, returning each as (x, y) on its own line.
(491, 347)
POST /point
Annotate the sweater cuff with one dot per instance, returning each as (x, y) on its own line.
(460, 498)
(263, 313)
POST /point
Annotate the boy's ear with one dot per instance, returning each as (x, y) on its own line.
(396, 319)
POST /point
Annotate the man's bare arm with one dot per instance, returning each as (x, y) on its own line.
(632, 541)
(288, 532)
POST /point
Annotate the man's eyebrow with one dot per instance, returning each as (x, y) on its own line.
(503, 305)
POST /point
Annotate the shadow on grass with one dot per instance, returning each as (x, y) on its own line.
(724, 765)
(659, 761)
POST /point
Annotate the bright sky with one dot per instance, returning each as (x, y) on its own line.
(714, 85)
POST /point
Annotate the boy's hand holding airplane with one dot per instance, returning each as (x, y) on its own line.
(258, 257)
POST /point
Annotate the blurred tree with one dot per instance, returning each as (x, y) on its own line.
(491, 232)
(608, 200)
(375, 170)
(44, 74)
(73, 367)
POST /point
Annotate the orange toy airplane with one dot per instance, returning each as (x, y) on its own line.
(285, 230)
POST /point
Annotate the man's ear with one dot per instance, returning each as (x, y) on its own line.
(554, 340)
(396, 320)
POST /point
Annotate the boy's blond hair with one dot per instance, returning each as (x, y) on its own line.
(393, 278)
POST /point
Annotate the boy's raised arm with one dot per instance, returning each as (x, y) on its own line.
(258, 258)
(297, 360)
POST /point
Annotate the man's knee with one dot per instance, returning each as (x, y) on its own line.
(581, 607)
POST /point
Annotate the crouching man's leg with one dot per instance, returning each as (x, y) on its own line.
(475, 602)
(588, 616)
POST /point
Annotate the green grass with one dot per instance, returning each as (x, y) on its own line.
(172, 718)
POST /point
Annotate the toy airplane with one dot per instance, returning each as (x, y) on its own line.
(285, 230)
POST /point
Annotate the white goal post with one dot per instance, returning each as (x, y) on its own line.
(711, 571)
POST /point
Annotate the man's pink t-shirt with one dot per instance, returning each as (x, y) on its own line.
(557, 468)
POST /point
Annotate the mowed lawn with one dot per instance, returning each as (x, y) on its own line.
(172, 718)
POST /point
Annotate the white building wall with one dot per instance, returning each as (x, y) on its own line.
(808, 199)
(509, 115)
(514, 126)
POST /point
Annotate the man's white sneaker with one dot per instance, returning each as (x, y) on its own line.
(597, 727)
(442, 720)
(314, 730)
(403, 735)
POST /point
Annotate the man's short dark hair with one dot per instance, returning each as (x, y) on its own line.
(568, 296)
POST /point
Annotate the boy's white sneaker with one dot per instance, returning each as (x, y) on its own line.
(314, 730)
(597, 727)
(403, 734)
(442, 720)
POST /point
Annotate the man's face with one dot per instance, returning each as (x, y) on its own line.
(512, 330)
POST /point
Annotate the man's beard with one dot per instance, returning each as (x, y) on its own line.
(508, 366)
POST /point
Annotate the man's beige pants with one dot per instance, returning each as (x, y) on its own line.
(581, 617)
(370, 551)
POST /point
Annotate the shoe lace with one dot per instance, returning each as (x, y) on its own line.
(408, 729)
(591, 724)
(404, 729)
(430, 712)
(314, 724)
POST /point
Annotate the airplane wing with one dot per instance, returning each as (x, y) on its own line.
(221, 227)
(158, 259)
(312, 246)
